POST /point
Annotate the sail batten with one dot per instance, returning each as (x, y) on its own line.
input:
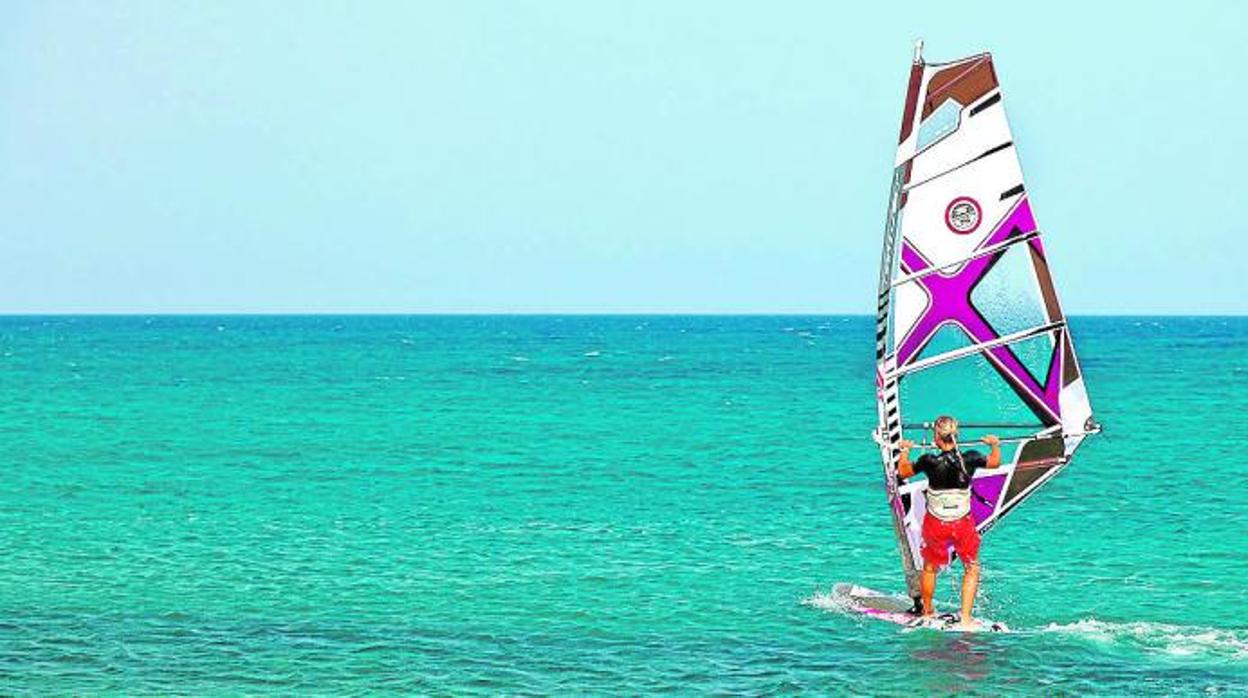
(984, 252)
(968, 320)
(975, 349)
(987, 153)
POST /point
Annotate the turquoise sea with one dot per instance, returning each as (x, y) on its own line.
(580, 505)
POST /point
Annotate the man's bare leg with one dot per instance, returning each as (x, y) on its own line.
(927, 586)
(970, 585)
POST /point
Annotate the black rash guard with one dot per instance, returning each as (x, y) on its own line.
(944, 472)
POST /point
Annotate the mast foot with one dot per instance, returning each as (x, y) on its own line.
(917, 608)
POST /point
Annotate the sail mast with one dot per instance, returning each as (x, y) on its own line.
(889, 432)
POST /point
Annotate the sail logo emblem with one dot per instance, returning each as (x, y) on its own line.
(962, 215)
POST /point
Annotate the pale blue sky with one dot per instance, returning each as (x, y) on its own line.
(586, 156)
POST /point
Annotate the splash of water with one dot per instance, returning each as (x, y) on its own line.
(1159, 638)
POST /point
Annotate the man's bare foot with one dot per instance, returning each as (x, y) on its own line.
(967, 623)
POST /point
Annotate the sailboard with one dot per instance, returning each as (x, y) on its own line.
(897, 610)
(969, 321)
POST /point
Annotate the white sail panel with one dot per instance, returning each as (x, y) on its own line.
(909, 302)
(991, 130)
(926, 226)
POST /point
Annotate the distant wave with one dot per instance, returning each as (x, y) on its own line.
(826, 600)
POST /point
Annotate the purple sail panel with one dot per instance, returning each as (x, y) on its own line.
(950, 303)
(989, 489)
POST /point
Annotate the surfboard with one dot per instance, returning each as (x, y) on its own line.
(895, 609)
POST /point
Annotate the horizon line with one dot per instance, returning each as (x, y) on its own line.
(542, 314)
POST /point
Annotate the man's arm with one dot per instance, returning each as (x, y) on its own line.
(904, 467)
(994, 457)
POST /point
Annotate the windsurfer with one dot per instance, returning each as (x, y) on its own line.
(948, 519)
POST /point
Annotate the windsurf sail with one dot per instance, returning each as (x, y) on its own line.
(969, 322)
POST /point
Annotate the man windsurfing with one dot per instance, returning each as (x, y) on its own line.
(948, 521)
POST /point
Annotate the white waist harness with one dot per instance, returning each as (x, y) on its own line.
(948, 505)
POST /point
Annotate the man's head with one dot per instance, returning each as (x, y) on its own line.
(946, 430)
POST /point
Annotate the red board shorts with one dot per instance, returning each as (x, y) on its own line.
(939, 535)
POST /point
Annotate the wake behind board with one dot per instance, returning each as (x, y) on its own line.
(896, 610)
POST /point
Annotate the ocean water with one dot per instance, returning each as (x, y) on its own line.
(588, 505)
